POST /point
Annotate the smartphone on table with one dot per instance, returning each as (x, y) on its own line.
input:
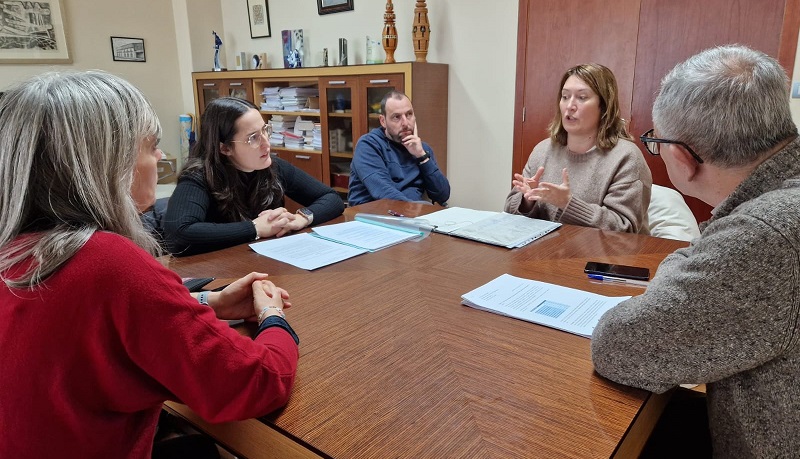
(623, 271)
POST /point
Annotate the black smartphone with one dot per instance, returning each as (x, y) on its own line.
(624, 271)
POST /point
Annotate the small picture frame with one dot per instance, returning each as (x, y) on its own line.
(258, 13)
(333, 6)
(127, 49)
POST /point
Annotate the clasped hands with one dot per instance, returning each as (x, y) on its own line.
(247, 297)
(533, 189)
(277, 222)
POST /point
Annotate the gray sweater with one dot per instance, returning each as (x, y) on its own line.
(610, 189)
(725, 311)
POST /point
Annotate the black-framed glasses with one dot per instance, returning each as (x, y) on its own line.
(651, 144)
(257, 138)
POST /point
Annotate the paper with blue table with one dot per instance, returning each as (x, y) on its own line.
(562, 308)
(329, 244)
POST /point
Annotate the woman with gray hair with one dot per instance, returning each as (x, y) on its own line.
(96, 332)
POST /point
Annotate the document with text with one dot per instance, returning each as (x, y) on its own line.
(496, 228)
(305, 251)
(330, 244)
(571, 310)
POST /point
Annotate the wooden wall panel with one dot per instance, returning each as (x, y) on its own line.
(640, 40)
(557, 36)
(670, 32)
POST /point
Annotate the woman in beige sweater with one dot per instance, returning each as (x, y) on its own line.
(588, 172)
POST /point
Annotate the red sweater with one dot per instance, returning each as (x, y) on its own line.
(89, 356)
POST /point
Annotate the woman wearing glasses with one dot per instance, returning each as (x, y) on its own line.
(232, 191)
(588, 172)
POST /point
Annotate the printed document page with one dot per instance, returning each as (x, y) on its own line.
(364, 235)
(305, 251)
(450, 219)
(567, 309)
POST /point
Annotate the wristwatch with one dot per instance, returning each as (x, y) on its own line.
(306, 212)
(423, 158)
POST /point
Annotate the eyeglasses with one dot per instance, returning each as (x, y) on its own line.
(257, 138)
(651, 143)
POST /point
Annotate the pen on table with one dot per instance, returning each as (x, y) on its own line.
(619, 280)
(395, 214)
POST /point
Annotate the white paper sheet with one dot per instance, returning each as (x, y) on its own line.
(305, 251)
(567, 309)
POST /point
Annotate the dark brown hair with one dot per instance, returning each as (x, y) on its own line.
(238, 197)
(602, 82)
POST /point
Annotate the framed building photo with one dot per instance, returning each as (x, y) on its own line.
(333, 6)
(127, 49)
(32, 33)
(258, 12)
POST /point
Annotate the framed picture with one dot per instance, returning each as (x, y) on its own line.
(258, 12)
(32, 33)
(334, 6)
(127, 49)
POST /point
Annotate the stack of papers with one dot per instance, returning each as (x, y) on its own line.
(272, 101)
(496, 228)
(330, 244)
(567, 309)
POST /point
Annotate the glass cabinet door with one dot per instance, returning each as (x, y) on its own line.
(340, 128)
(375, 87)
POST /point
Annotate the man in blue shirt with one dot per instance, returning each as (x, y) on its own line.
(392, 162)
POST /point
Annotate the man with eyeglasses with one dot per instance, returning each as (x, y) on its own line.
(724, 311)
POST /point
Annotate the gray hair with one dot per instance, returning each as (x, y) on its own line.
(729, 103)
(68, 146)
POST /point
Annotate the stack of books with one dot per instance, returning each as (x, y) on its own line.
(316, 136)
(279, 124)
(272, 100)
(296, 98)
(292, 140)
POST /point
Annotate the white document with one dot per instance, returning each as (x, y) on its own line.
(567, 309)
(362, 235)
(497, 228)
(305, 251)
(448, 220)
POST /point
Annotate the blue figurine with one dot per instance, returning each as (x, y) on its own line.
(217, 44)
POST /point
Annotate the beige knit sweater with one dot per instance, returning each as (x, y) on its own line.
(610, 189)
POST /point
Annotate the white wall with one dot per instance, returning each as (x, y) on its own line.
(477, 39)
(89, 24)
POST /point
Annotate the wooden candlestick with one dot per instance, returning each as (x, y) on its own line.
(421, 32)
(389, 33)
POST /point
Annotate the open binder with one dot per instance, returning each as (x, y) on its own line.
(496, 228)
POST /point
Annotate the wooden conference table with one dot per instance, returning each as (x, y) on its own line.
(392, 365)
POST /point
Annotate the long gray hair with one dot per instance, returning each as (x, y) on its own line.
(729, 103)
(68, 146)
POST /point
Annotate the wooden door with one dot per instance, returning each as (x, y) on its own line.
(554, 36)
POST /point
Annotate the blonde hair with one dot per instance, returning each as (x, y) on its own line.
(68, 146)
(603, 83)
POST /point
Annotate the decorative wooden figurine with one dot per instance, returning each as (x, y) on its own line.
(421, 32)
(389, 33)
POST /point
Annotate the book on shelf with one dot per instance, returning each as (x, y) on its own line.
(496, 228)
(329, 244)
(567, 309)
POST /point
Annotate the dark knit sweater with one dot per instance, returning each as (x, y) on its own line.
(194, 224)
